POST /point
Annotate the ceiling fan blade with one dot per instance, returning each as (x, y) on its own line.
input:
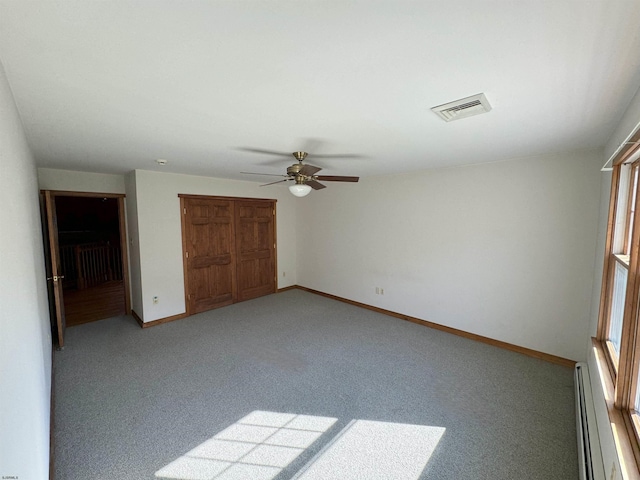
(267, 174)
(267, 152)
(336, 178)
(278, 181)
(315, 185)
(309, 170)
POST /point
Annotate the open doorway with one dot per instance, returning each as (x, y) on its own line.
(91, 257)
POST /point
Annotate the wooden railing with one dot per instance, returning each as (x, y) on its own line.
(90, 264)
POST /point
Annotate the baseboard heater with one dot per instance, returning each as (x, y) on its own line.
(590, 462)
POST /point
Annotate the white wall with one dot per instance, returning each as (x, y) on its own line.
(160, 237)
(67, 180)
(133, 240)
(504, 250)
(25, 341)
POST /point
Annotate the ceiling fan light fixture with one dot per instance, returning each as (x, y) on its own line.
(300, 190)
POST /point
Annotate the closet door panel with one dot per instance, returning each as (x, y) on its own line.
(255, 247)
(210, 247)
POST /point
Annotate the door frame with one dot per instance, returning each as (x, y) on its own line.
(122, 225)
(52, 267)
(182, 197)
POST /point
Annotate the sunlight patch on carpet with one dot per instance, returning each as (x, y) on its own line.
(258, 446)
(374, 450)
(262, 444)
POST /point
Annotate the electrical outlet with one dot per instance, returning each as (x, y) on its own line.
(155, 299)
(284, 274)
(377, 290)
(381, 291)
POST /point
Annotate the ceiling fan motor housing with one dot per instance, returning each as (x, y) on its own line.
(294, 169)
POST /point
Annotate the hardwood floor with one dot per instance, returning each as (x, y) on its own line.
(95, 303)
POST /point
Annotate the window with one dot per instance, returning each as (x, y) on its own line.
(623, 216)
(619, 324)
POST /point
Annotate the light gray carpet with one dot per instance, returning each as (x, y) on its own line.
(129, 401)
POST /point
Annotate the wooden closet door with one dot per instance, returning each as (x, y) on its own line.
(210, 252)
(255, 247)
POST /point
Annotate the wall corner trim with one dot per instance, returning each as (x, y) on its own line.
(159, 321)
(137, 318)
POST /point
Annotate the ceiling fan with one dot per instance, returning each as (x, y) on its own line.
(304, 175)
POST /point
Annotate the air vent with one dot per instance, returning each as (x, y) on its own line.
(465, 107)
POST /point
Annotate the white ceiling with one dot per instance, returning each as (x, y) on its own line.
(111, 86)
